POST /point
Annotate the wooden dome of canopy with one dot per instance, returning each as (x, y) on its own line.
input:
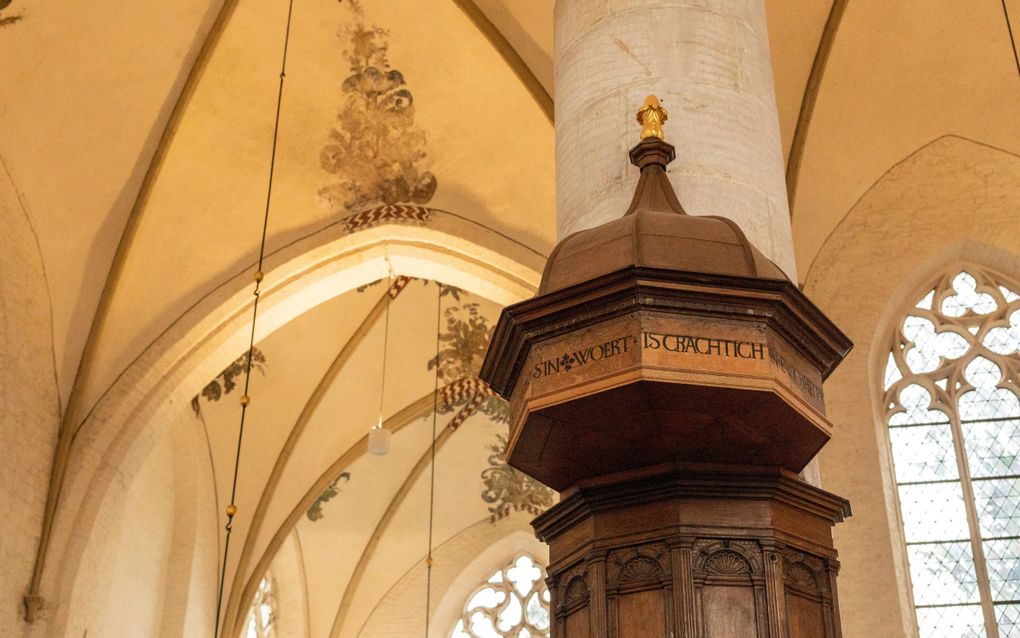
(656, 232)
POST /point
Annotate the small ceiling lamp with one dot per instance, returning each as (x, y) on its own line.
(379, 437)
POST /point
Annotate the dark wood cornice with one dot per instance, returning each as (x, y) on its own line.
(687, 481)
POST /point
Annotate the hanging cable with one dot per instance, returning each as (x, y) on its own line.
(385, 348)
(1012, 40)
(259, 275)
(432, 477)
(378, 435)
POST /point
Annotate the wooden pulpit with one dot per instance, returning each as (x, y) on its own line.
(667, 380)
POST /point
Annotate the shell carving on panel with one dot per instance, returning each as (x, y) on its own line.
(575, 591)
(799, 574)
(640, 568)
(727, 562)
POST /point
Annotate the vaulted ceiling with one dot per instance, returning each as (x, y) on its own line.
(138, 139)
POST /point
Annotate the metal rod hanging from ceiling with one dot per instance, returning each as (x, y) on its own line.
(231, 510)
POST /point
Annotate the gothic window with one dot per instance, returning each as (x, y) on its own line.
(512, 603)
(951, 383)
(261, 621)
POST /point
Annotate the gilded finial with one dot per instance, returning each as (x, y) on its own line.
(650, 117)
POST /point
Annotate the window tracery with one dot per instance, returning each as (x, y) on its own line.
(261, 622)
(512, 603)
(952, 408)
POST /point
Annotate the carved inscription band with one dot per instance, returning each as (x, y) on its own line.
(681, 344)
(703, 345)
(582, 356)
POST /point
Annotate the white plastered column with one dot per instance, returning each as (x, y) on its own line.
(708, 62)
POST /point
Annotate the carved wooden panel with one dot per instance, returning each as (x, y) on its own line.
(729, 584)
(641, 614)
(571, 604)
(577, 624)
(621, 573)
(729, 612)
(808, 602)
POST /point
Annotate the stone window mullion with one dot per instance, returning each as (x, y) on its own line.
(976, 544)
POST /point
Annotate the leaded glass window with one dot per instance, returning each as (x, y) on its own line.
(950, 393)
(261, 621)
(512, 603)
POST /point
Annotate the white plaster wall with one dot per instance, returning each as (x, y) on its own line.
(708, 61)
(288, 574)
(29, 406)
(951, 201)
(149, 563)
(119, 587)
(189, 605)
(141, 558)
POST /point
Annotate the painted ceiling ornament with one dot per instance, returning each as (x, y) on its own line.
(315, 512)
(8, 20)
(224, 382)
(463, 348)
(375, 152)
(508, 490)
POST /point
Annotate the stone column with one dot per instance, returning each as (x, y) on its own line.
(708, 61)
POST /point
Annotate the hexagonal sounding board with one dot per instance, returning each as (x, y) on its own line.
(667, 380)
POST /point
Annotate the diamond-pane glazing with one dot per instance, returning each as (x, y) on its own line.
(916, 400)
(993, 447)
(943, 573)
(1008, 617)
(956, 621)
(933, 512)
(989, 403)
(967, 298)
(982, 373)
(998, 507)
(1003, 560)
(930, 347)
(1004, 339)
(951, 380)
(924, 453)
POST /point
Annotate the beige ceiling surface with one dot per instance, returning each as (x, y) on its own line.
(340, 531)
(795, 29)
(901, 75)
(296, 357)
(204, 217)
(84, 97)
(528, 27)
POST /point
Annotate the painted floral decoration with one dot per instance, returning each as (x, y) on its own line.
(508, 490)
(375, 152)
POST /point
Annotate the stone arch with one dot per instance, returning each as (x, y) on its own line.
(120, 431)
